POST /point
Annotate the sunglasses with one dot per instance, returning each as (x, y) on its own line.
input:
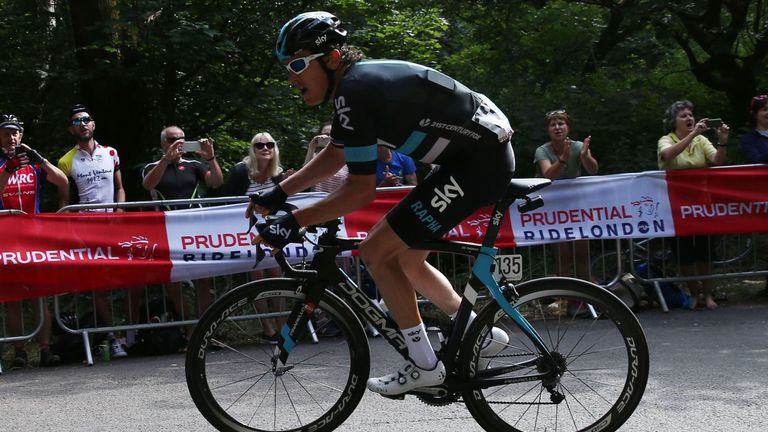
(301, 64)
(756, 100)
(171, 140)
(555, 112)
(80, 121)
(269, 145)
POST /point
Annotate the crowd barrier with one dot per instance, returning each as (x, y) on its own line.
(609, 260)
(36, 326)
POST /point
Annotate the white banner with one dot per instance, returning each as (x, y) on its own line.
(617, 206)
(212, 241)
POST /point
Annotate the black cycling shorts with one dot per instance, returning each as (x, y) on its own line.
(452, 192)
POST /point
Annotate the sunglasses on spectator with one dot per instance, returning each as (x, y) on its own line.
(555, 112)
(301, 64)
(80, 121)
(756, 100)
(269, 145)
(171, 140)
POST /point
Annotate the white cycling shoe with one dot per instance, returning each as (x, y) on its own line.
(492, 346)
(409, 377)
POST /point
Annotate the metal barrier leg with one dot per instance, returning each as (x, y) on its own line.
(662, 302)
(87, 343)
(312, 331)
(592, 311)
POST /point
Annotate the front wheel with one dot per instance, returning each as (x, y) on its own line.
(236, 383)
(600, 371)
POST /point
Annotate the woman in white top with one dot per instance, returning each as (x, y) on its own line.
(316, 145)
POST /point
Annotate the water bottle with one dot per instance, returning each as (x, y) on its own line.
(105, 350)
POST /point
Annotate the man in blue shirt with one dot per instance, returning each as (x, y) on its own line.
(394, 168)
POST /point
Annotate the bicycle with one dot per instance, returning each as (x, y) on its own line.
(561, 370)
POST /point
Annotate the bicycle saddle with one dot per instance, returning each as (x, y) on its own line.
(523, 187)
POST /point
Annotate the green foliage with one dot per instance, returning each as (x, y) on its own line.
(209, 67)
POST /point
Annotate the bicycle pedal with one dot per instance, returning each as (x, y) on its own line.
(393, 397)
(429, 391)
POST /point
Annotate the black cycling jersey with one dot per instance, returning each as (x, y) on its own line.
(434, 119)
(412, 108)
(179, 180)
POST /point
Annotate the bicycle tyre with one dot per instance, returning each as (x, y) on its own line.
(232, 380)
(607, 360)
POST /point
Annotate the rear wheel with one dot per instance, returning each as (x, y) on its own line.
(236, 383)
(601, 362)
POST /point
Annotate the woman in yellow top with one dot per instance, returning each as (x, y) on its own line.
(686, 147)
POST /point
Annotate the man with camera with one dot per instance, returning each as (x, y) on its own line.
(173, 177)
(22, 170)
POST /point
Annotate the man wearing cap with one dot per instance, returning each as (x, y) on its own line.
(21, 175)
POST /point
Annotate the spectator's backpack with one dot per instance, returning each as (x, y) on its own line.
(158, 341)
(674, 296)
(71, 347)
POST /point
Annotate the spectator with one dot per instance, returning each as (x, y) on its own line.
(260, 172)
(685, 147)
(21, 177)
(754, 143)
(563, 158)
(94, 171)
(394, 168)
(173, 177)
(317, 144)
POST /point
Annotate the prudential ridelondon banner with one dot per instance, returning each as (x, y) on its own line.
(55, 253)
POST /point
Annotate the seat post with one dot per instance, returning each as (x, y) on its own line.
(497, 216)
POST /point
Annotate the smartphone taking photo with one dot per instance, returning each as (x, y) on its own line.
(190, 146)
(714, 123)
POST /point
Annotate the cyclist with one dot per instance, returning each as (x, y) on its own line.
(21, 177)
(419, 112)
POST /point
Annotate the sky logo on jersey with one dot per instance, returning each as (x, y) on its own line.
(444, 197)
(279, 231)
(341, 111)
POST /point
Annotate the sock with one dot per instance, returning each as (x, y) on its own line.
(419, 348)
(472, 317)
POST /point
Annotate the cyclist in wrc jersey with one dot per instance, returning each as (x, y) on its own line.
(93, 168)
(21, 176)
(417, 111)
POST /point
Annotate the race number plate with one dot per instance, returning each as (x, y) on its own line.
(509, 266)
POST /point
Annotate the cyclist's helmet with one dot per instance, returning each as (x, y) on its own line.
(10, 121)
(316, 32)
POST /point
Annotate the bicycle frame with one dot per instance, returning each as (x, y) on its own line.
(324, 273)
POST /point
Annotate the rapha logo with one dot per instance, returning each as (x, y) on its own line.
(138, 247)
(321, 39)
(341, 111)
(425, 122)
(444, 197)
(279, 231)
